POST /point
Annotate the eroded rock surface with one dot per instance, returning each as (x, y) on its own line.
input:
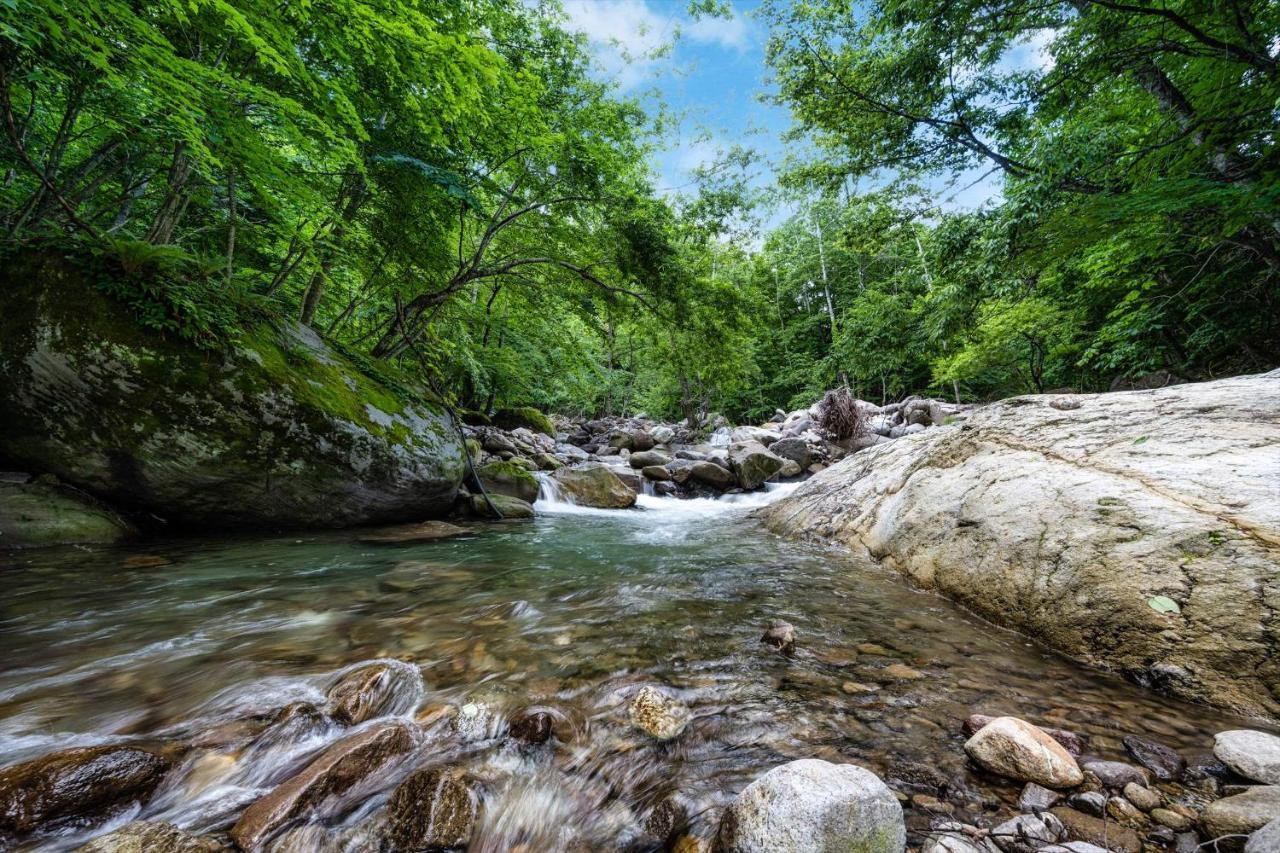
(80, 782)
(1137, 531)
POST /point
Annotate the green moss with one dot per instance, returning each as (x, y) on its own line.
(525, 416)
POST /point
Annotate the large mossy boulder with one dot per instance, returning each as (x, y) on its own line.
(33, 515)
(524, 416)
(276, 429)
(509, 478)
(594, 484)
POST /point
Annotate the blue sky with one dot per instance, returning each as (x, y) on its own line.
(713, 77)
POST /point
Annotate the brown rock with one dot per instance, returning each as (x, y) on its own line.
(532, 725)
(781, 635)
(336, 771)
(76, 783)
(146, 837)
(1171, 819)
(360, 694)
(433, 809)
(423, 531)
(1105, 834)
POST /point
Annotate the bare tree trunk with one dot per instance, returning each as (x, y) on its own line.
(174, 203)
(315, 288)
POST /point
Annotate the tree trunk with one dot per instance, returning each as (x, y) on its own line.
(175, 198)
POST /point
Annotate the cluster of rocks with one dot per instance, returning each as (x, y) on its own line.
(606, 462)
(1073, 802)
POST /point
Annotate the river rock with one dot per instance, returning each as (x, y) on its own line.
(509, 478)
(1164, 762)
(662, 434)
(1037, 798)
(433, 809)
(511, 508)
(594, 484)
(145, 837)
(1069, 525)
(360, 694)
(753, 464)
(1265, 840)
(33, 515)
(1243, 813)
(794, 449)
(337, 770)
(813, 805)
(278, 429)
(1144, 798)
(1106, 834)
(83, 782)
(656, 473)
(1070, 741)
(1019, 750)
(1115, 774)
(713, 475)
(532, 725)
(645, 458)
(408, 534)
(781, 635)
(1027, 833)
(1171, 819)
(1254, 755)
(657, 714)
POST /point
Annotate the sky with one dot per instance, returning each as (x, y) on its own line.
(713, 78)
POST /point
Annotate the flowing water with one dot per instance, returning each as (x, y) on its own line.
(201, 641)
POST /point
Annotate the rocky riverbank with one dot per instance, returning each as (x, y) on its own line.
(1136, 531)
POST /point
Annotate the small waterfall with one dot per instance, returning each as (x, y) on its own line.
(549, 490)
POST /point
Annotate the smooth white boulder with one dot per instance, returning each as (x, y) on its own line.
(1019, 750)
(1254, 755)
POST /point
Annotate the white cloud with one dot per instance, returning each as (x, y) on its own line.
(729, 33)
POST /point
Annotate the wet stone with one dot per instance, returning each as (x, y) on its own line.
(146, 837)
(1165, 763)
(1037, 798)
(1242, 813)
(780, 635)
(1170, 818)
(360, 694)
(1254, 755)
(1106, 834)
(1027, 833)
(1144, 798)
(432, 809)
(76, 783)
(531, 725)
(408, 534)
(1016, 749)
(1070, 741)
(657, 714)
(1115, 774)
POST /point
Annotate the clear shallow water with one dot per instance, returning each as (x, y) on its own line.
(171, 642)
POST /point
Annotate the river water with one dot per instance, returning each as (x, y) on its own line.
(167, 642)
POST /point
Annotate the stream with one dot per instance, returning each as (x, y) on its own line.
(177, 641)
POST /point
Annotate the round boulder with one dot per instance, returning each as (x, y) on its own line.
(1254, 755)
(1019, 750)
(813, 805)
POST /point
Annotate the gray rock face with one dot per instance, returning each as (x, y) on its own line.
(813, 805)
(1265, 840)
(713, 475)
(1242, 814)
(1067, 525)
(1254, 755)
(753, 464)
(33, 515)
(279, 429)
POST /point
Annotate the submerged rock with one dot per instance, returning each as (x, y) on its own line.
(781, 635)
(360, 694)
(1028, 833)
(595, 484)
(1254, 755)
(1115, 774)
(813, 805)
(33, 515)
(146, 837)
(1161, 760)
(407, 534)
(77, 783)
(657, 714)
(1070, 526)
(433, 809)
(338, 769)
(1019, 750)
(277, 429)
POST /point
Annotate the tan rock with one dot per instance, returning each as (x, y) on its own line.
(1019, 750)
(146, 837)
(337, 770)
(1242, 813)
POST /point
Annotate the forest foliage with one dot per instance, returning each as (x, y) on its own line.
(445, 186)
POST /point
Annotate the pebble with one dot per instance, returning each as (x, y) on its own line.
(1115, 774)
(853, 687)
(1144, 798)
(1170, 818)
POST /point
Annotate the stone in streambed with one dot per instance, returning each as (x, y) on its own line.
(657, 714)
(433, 809)
(1144, 798)
(813, 805)
(1243, 813)
(648, 458)
(1037, 798)
(594, 484)
(1115, 774)
(1070, 741)
(1015, 748)
(1027, 833)
(1164, 762)
(76, 783)
(337, 770)
(753, 464)
(1106, 834)
(1254, 755)
(146, 837)
(656, 473)
(511, 508)
(360, 694)
(509, 478)
(713, 475)
(406, 534)
(1171, 819)
(781, 635)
